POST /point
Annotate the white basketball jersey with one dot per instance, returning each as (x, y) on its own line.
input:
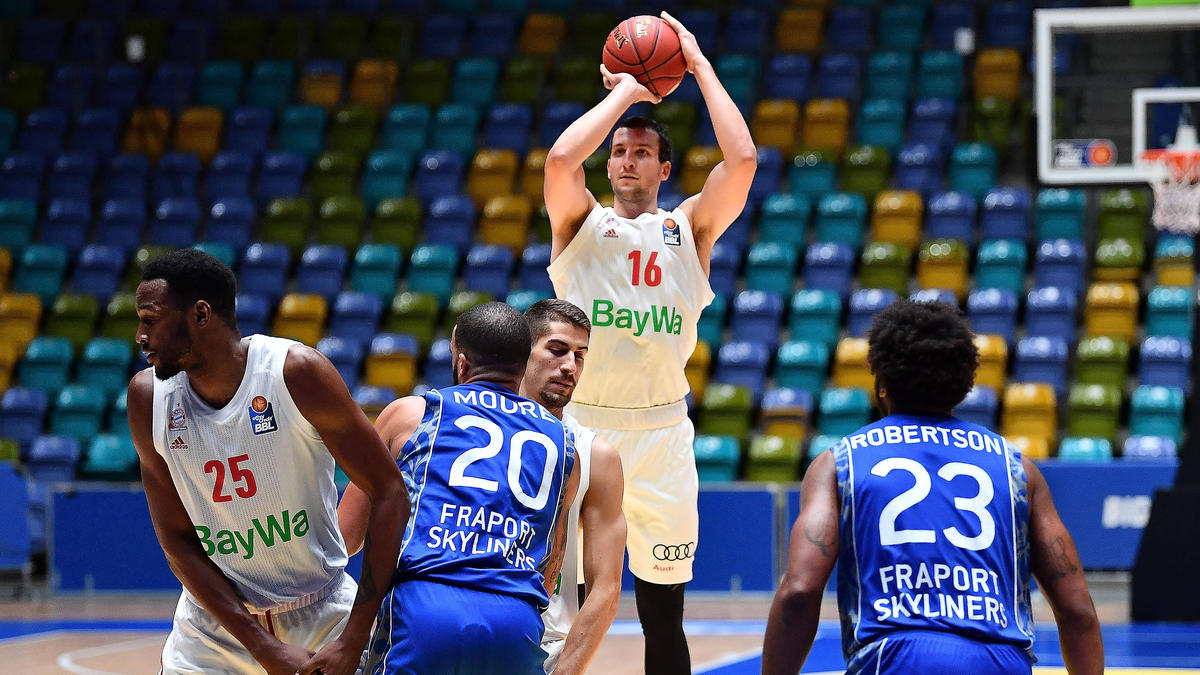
(564, 604)
(640, 282)
(256, 479)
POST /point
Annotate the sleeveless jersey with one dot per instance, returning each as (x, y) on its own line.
(256, 480)
(640, 282)
(485, 471)
(564, 604)
(934, 534)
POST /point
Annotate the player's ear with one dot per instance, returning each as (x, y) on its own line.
(665, 170)
(202, 312)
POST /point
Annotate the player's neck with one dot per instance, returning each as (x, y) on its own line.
(918, 412)
(631, 209)
(511, 383)
(219, 373)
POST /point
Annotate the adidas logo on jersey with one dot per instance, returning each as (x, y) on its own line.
(610, 234)
(179, 443)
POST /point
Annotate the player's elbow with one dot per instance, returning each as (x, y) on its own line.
(559, 158)
(1077, 615)
(744, 156)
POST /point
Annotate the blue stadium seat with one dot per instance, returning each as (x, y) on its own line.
(345, 355)
(40, 39)
(356, 316)
(743, 363)
(99, 270)
(839, 76)
(1165, 361)
(280, 174)
(189, 38)
(104, 364)
(70, 86)
(451, 221)
(492, 34)
(745, 31)
(21, 176)
(979, 407)
(120, 86)
(176, 175)
(920, 168)
(443, 36)
(508, 126)
(1051, 312)
(993, 311)
(1008, 24)
(865, 303)
(124, 176)
(1006, 214)
(67, 223)
(176, 222)
(439, 172)
(52, 459)
(22, 411)
(531, 273)
(96, 131)
(46, 365)
(767, 176)
(488, 269)
(848, 29)
(703, 23)
(946, 20)
(264, 270)
(738, 234)
(932, 121)
(933, 295)
(92, 40)
(40, 271)
(229, 175)
(373, 399)
(951, 215)
(71, 176)
(829, 266)
(253, 312)
(1061, 263)
(723, 269)
(1042, 359)
(321, 270)
(757, 317)
(787, 77)
(121, 222)
(248, 129)
(78, 412)
(438, 371)
(555, 118)
(170, 86)
(1150, 447)
(43, 131)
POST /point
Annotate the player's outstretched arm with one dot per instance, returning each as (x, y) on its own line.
(558, 546)
(567, 199)
(1059, 573)
(603, 526)
(322, 397)
(812, 551)
(723, 197)
(177, 536)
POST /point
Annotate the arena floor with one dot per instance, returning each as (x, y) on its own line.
(107, 634)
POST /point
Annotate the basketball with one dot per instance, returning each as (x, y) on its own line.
(647, 48)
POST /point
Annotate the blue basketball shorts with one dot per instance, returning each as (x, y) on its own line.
(937, 653)
(428, 628)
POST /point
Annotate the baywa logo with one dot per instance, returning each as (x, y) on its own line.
(673, 551)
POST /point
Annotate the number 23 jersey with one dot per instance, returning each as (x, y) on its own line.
(934, 533)
(485, 471)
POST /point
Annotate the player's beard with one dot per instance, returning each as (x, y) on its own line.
(170, 363)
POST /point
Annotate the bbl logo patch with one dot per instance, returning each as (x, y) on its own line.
(670, 232)
(262, 417)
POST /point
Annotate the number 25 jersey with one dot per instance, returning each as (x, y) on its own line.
(934, 533)
(485, 471)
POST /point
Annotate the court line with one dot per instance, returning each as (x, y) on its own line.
(33, 637)
(66, 660)
(730, 659)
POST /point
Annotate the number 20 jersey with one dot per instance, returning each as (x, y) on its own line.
(485, 471)
(934, 534)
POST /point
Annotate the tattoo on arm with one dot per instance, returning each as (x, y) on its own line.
(1059, 563)
(821, 532)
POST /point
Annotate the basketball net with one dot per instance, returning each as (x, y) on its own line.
(1174, 175)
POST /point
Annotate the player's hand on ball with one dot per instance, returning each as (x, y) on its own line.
(687, 42)
(613, 80)
(335, 658)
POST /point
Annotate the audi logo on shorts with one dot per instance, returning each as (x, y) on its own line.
(673, 551)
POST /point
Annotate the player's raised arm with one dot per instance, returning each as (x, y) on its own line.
(1059, 573)
(177, 536)
(603, 525)
(322, 397)
(812, 551)
(723, 197)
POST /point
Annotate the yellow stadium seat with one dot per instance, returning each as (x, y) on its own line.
(696, 370)
(998, 73)
(1030, 410)
(374, 82)
(826, 124)
(697, 164)
(1112, 310)
(505, 222)
(323, 88)
(533, 174)
(786, 421)
(850, 365)
(9, 356)
(5, 268)
(20, 314)
(301, 317)
(799, 29)
(199, 131)
(1174, 271)
(775, 124)
(993, 361)
(1033, 447)
(396, 369)
(542, 33)
(147, 132)
(492, 174)
(897, 218)
(942, 263)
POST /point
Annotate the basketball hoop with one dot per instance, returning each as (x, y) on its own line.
(1174, 175)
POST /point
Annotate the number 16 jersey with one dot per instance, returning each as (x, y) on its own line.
(485, 472)
(934, 534)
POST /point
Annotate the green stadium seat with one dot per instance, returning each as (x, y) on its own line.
(433, 268)
(881, 123)
(334, 174)
(522, 80)
(406, 127)
(865, 170)
(41, 271)
(774, 459)
(784, 219)
(939, 75)
(992, 121)
(78, 412)
(46, 364)
(680, 120)
(1170, 310)
(1000, 263)
(523, 299)
(771, 267)
(110, 457)
(141, 256)
(1093, 410)
(25, 87)
(414, 314)
(1085, 449)
(1060, 213)
(802, 364)
(105, 364)
(286, 222)
(816, 315)
(10, 452)
(712, 321)
(717, 458)
(340, 221)
(812, 174)
(575, 79)
(889, 75)
(459, 303)
(353, 129)
(595, 172)
(725, 411)
(393, 37)
(293, 37)
(1119, 260)
(118, 418)
(973, 169)
(270, 84)
(455, 126)
(589, 30)
(841, 218)
(843, 410)
(427, 81)
(475, 80)
(120, 318)
(1157, 411)
(73, 316)
(240, 37)
(397, 221)
(1123, 214)
(376, 270)
(885, 265)
(17, 221)
(219, 85)
(301, 129)
(342, 37)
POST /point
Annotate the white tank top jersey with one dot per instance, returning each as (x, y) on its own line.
(564, 604)
(640, 282)
(257, 481)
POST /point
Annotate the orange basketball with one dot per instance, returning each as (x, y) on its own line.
(647, 48)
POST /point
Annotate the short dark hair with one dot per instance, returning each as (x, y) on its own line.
(639, 122)
(194, 275)
(542, 313)
(923, 353)
(495, 337)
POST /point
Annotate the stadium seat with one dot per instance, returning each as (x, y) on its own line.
(493, 34)
(66, 225)
(820, 443)
(21, 176)
(46, 365)
(838, 76)
(439, 173)
(240, 37)
(176, 175)
(488, 269)
(994, 311)
(865, 170)
(376, 270)
(1059, 214)
(901, 27)
(523, 299)
(786, 77)
(829, 266)
(881, 123)
(951, 215)
(1092, 410)
(998, 73)
(897, 218)
(1165, 361)
(505, 222)
(78, 412)
(1008, 24)
(979, 407)
(932, 121)
(321, 270)
(286, 222)
(229, 175)
(939, 75)
(334, 174)
(356, 316)
(946, 20)
(743, 363)
(717, 458)
(17, 223)
(812, 174)
(865, 303)
(199, 131)
(427, 81)
(1042, 359)
(253, 311)
(249, 130)
(1061, 263)
(301, 317)
(373, 82)
(723, 269)
(1102, 360)
(1173, 261)
(373, 400)
(1170, 310)
(799, 29)
(816, 314)
(885, 265)
(726, 411)
(1123, 214)
(826, 125)
(96, 131)
(1006, 214)
(219, 85)
(25, 86)
(19, 317)
(1000, 264)
(98, 270)
(71, 176)
(771, 267)
(942, 264)
(231, 222)
(352, 129)
(53, 458)
(842, 411)
(443, 35)
(973, 168)
(120, 223)
(1149, 448)
(397, 222)
(110, 457)
(848, 28)
(264, 270)
(433, 269)
(43, 132)
(784, 219)
(321, 82)
(415, 314)
(1051, 312)
(450, 222)
(850, 365)
(460, 302)
(993, 360)
(40, 271)
(840, 218)
(22, 411)
(1157, 411)
(340, 221)
(270, 84)
(697, 368)
(801, 364)
(176, 222)
(757, 316)
(1085, 449)
(773, 458)
(492, 174)
(73, 316)
(105, 364)
(281, 174)
(438, 370)
(1111, 310)
(712, 320)
(1029, 410)
(345, 355)
(120, 317)
(301, 130)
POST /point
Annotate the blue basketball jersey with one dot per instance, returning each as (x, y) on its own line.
(934, 534)
(485, 472)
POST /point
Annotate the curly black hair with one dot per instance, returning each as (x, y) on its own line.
(923, 353)
(194, 275)
(495, 337)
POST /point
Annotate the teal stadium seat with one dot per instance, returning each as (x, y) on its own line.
(118, 418)
(820, 443)
(725, 411)
(939, 75)
(475, 80)
(386, 175)
(110, 457)
(772, 458)
(41, 271)
(1000, 263)
(842, 410)
(816, 315)
(712, 321)
(739, 73)
(771, 267)
(784, 219)
(220, 250)
(523, 299)
(406, 127)
(454, 128)
(270, 84)
(717, 458)
(889, 75)
(1170, 310)
(376, 270)
(802, 363)
(900, 27)
(78, 412)
(46, 364)
(973, 169)
(1060, 213)
(105, 364)
(17, 220)
(812, 174)
(881, 123)
(433, 268)
(219, 85)
(841, 218)
(1157, 411)
(1085, 449)
(302, 130)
